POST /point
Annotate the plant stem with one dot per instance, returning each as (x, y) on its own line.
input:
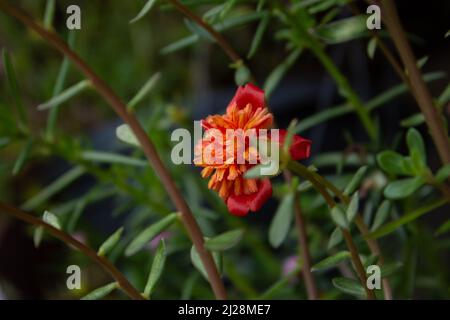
(226, 47)
(362, 227)
(308, 278)
(375, 250)
(103, 262)
(359, 268)
(147, 145)
(357, 263)
(305, 38)
(385, 50)
(422, 94)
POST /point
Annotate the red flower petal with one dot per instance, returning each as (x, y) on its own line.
(248, 94)
(300, 147)
(242, 204)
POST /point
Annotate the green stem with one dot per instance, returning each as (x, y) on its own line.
(359, 268)
(305, 38)
(362, 227)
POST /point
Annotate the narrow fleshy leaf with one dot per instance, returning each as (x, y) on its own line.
(258, 35)
(371, 47)
(355, 181)
(53, 188)
(331, 261)
(145, 9)
(108, 157)
(394, 225)
(403, 188)
(157, 269)
(52, 117)
(338, 217)
(352, 208)
(23, 156)
(392, 162)
(149, 233)
(349, 286)
(444, 97)
(14, 87)
(144, 91)
(343, 30)
(335, 238)
(443, 173)
(282, 220)
(112, 240)
(49, 218)
(101, 292)
(444, 228)
(381, 214)
(416, 144)
(65, 95)
(414, 120)
(49, 14)
(125, 134)
(225, 240)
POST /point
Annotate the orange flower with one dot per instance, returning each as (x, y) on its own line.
(247, 113)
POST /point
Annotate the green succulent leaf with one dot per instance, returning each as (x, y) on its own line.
(443, 173)
(343, 30)
(355, 181)
(101, 292)
(411, 216)
(403, 188)
(145, 9)
(110, 242)
(349, 286)
(381, 214)
(352, 209)
(339, 217)
(282, 220)
(393, 163)
(416, 147)
(335, 238)
(225, 240)
(332, 261)
(149, 233)
(156, 270)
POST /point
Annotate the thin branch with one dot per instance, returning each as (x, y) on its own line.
(422, 94)
(375, 250)
(226, 47)
(147, 145)
(357, 263)
(359, 268)
(385, 50)
(362, 227)
(103, 262)
(308, 278)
